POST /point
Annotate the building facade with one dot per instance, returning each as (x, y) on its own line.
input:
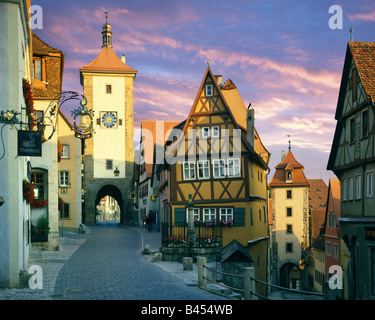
(69, 176)
(221, 162)
(352, 160)
(290, 215)
(48, 69)
(108, 86)
(16, 62)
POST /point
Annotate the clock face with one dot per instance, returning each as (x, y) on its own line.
(109, 119)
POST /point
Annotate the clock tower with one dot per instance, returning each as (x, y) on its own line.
(108, 86)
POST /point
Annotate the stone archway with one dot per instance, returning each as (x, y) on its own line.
(290, 276)
(112, 191)
(119, 189)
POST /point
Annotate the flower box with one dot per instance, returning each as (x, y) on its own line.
(39, 237)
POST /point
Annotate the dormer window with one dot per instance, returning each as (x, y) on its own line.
(37, 69)
(289, 177)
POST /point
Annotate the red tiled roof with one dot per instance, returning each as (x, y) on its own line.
(42, 48)
(318, 193)
(107, 61)
(298, 176)
(364, 57)
(317, 222)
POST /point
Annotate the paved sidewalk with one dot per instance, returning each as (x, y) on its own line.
(51, 263)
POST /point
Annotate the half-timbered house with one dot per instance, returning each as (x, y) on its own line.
(220, 161)
(352, 159)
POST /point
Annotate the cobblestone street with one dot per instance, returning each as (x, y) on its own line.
(106, 264)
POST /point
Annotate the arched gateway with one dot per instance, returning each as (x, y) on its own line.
(108, 156)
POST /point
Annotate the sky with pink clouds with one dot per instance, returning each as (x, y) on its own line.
(282, 55)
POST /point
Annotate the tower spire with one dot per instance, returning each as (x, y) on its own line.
(107, 33)
(351, 33)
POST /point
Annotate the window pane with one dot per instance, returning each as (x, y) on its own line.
(65, 152)
(203, 169)
(38, 69)
(209, 214)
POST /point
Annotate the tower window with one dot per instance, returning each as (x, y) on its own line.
(108, 89)
(109, 165)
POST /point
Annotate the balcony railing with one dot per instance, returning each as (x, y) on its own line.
(207, 236)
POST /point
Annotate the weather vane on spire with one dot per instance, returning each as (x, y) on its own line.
(288, 135)
(106, 15)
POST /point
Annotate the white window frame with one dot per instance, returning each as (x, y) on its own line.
(206, 132)
(209, 214)
(358, 186)
(219, 164)
(190, 169)
(64, 178)
(195, 214)
(369, 184)
(65, 151)
(209, 90)
(225, 213)
(203, 165)
(215, 132)
(236, 163)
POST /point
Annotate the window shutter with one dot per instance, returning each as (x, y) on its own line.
(239, 217)
(179, 216)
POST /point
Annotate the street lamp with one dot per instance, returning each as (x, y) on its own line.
(191, 236)
(116, 172)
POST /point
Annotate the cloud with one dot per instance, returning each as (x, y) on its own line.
(370, 16)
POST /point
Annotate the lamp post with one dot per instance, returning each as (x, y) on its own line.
(191, 236)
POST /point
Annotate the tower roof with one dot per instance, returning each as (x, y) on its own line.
(107, 62)
(289, 163)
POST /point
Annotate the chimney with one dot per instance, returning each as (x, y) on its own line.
(283, 154)
(250, 127)
(123, 58)
(219, 80)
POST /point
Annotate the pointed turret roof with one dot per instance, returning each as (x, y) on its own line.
(107, 61)
(289, 163)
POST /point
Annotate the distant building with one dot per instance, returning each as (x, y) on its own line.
(335, 255)
(290, 215)
(69, 175)
(152, 132)
(352, 159)
(318, 193)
